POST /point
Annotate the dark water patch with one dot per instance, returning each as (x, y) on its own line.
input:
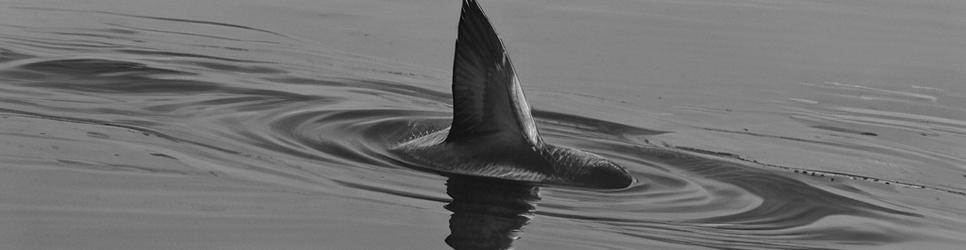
(153, 18)
(75, 45)
(261, 102)
(249, 101)
(844, 130)
(82, 68)
(7, 55)
(384, 89)
(32, 136)
(228, 48)
(98, 135)
(820, 173)
(18, 102)
(79, 34)
(228, 101)
(236, 68)
(403, 89)
(370, 86)
(707, 152)
(189, 34)
(786, 203)
(590, 124)
(71, 40)
(119, 31)
(392, 190)
(690, 238)
(116, 167)
(72, 47)
(115, 77)
(131, 128)
(107, 33)
(771, 136)
(164, 156)
(307, 81)
(168, 54)
(128, 85)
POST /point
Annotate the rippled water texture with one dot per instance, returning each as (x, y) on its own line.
(246, 125)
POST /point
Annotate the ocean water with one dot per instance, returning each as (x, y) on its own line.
(220, 124)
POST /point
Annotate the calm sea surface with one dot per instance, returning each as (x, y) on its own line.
(220, 124)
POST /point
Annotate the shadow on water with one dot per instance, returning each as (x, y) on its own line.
(488, 213)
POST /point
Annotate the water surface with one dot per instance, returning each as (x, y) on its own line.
(248, 125)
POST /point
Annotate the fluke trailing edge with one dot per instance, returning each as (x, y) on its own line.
(493, 133)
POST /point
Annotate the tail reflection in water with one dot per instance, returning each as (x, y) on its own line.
(488, 213)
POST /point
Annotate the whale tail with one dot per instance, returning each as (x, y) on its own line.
(487, 97)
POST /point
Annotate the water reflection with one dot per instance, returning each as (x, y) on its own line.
(488, 213)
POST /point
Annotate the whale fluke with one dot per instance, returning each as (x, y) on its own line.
(493, 133)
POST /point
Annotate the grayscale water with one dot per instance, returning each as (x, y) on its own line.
(218, 124)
